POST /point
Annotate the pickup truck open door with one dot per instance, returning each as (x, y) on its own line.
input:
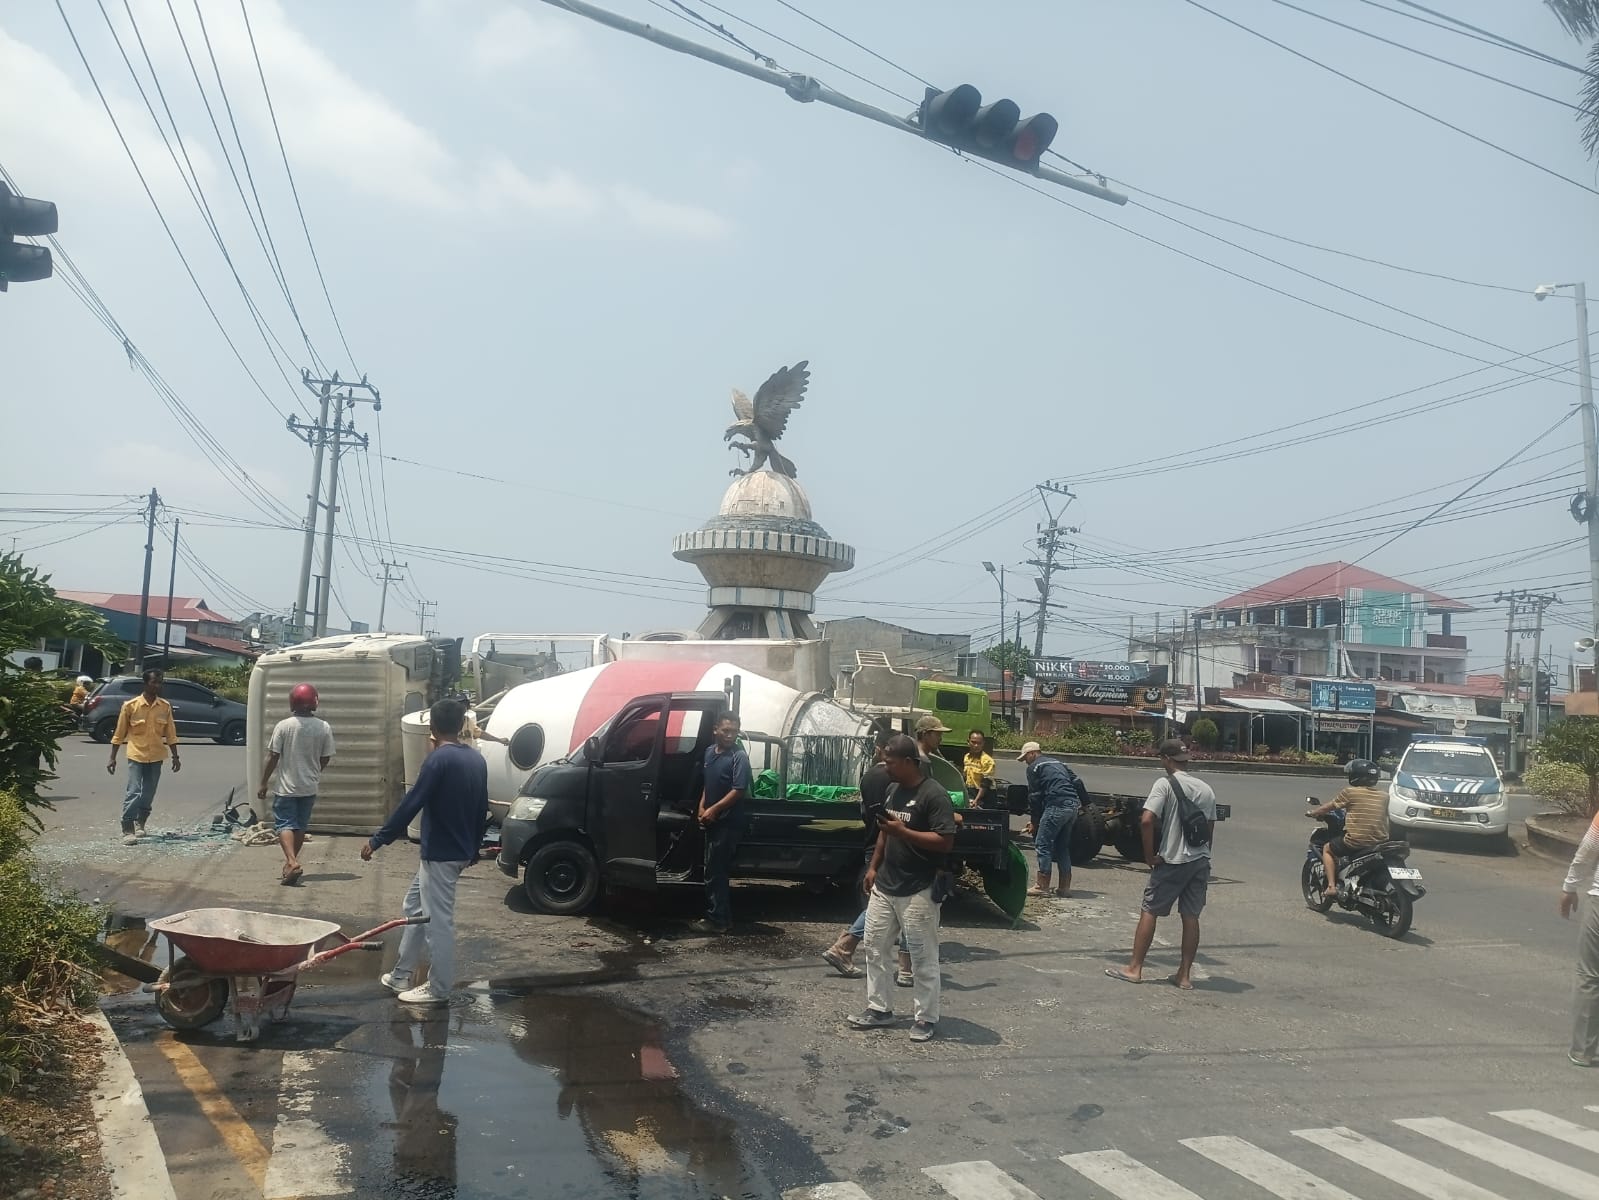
(648, 762)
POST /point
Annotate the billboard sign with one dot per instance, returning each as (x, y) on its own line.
(1340, 695)
(1078, 670)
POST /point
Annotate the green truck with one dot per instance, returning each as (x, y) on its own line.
(960, 706)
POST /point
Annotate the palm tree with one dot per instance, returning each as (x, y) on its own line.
(1581, 19)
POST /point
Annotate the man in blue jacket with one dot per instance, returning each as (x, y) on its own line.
(452, 794)
(1055, 796)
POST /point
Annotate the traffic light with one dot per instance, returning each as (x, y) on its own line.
(997, 131)
(1542, 688)
(22, 217)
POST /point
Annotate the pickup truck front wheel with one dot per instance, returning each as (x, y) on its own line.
(561, 878)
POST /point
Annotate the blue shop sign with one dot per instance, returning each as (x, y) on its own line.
(1337, 695)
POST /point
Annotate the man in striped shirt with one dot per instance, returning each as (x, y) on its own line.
(1584, 871)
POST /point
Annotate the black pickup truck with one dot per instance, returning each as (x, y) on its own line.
(620, 812)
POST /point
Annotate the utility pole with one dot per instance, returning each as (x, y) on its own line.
(341, 397)
(144, 592)
(314, 436)
(172, 587)
(1524, 606)
(1049, 541)
(383, 603)
(1585, 505)
(422, 615)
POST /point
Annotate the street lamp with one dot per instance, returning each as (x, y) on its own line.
(1588, 511)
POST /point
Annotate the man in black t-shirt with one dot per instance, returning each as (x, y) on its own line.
(914, 838)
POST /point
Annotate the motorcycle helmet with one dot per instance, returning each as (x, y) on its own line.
(85, 680)
(303, 698)
(1362, 772)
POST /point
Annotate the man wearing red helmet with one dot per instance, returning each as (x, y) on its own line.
(299, 751)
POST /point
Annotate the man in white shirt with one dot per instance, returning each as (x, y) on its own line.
(1584, 1050)
(1180, 872)
(300, 749)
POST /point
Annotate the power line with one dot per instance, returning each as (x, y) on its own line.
(1448, 62)
(274, 262)
(1491, 37)
(295, 191)
(867, 49)
(1421, 112)
(171, 237)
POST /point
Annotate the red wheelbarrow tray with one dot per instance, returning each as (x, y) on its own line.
(237, 941)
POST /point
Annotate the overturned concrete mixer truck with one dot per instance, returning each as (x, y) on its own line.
(616, 755)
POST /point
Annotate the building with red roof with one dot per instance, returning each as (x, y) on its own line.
(1334, 620)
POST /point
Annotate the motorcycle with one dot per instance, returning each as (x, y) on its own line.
(1375, 883)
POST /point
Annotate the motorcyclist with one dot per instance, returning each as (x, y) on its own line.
(1365, 808)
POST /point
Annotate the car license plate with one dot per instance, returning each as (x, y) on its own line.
(1403, 873)
(1448, 814)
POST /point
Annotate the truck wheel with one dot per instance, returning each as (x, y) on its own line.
(1086, 840)
(1130, 846)
(561, 878)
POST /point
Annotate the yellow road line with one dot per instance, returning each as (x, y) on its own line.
(234, 1130)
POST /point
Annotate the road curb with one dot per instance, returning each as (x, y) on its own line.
(1219, 766)
(1552, 844)
(128, 1145)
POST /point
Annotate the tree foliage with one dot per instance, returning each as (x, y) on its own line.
(1206, 733)
(31, 717)
(1581, 20)
(1575, 740)
(1012, 657)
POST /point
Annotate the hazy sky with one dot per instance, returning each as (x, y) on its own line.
(555, 248)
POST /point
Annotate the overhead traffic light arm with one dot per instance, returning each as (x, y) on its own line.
(1033, 132)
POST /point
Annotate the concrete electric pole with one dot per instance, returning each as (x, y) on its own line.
(1049, 541)
(144, 592)
(422, 614)
(1585, 505)
(383, 604)
(342, 398)
(1525, 606)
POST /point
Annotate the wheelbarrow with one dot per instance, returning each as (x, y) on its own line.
(247, 961)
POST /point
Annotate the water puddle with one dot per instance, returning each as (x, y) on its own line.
(522, 1093)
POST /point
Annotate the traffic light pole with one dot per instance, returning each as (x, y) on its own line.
(803, 88)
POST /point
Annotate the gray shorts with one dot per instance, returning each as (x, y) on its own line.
(1181, 883)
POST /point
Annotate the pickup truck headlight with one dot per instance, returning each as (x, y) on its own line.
(1400, 792)
(526, 808)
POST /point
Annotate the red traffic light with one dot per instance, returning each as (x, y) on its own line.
(994, 131)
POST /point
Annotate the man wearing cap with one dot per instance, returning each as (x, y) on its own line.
(299, 751)
(930, 733)
(1179, 872)
(1055, 795)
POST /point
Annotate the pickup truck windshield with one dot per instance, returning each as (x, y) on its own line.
(1458, 764)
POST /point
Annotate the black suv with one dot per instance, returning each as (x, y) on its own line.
(198, 711)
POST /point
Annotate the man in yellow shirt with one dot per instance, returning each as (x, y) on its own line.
(145, 724)
(979, 767)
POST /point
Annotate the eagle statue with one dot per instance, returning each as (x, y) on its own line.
(764, 420)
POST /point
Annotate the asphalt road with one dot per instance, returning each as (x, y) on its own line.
(617, 1056)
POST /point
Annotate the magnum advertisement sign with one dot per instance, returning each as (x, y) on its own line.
(1109, 695)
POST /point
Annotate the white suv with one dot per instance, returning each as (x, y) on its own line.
(1449, 783)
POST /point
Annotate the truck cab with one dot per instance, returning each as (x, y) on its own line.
(620, 812)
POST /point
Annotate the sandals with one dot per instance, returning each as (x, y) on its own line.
(291, 875)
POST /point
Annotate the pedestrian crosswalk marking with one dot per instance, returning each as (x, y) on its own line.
(1579, 1185)
(827, 1191)
(1421, 1178)
(1569, 1132)
(1264, 1169)
(978, 1181)
(305, 1161)
(1124, 1177)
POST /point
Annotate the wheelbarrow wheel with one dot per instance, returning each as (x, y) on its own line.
(191, 1000)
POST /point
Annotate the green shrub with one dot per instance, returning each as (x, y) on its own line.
(1206, 734)
(230, 682)
(1008, 739)
(46, 946)
(1317, 758)
(1562, 784)
(1139, 739)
